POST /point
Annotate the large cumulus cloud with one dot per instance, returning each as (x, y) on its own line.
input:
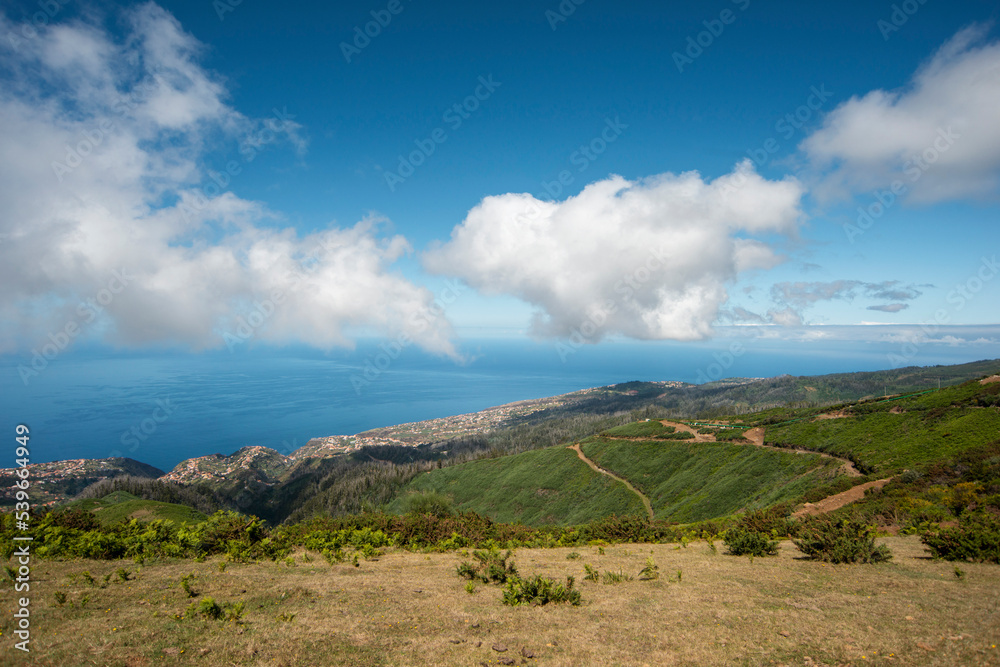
(647, 259)
(113, 227)
(939, 136)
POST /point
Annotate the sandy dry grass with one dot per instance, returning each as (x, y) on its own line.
(412, 609)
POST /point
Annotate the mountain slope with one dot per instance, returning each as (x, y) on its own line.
(690, 482)
(695, 479)
(546, 486)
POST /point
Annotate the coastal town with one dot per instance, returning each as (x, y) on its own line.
(59, 481)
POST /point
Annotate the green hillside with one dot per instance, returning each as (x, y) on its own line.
(122, 506)
(889, 436)
(546, 486)
(685, 482)
(689, 482)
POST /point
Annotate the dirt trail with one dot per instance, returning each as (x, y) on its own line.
(642, 496)
(698, 437)
(830, 503)
(838, 500)
(756, 437)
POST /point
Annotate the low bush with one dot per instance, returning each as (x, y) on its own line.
(615, 577)
(491, 567)
(742, 541)
(209, 608)
(976, 538)
(538, 590)
(773, 520)
(842, 541)
(429, 502)
(650, 572)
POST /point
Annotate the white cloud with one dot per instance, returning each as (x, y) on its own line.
(890, 307)
(649, 259)
(792, 299)
(941, 131)
(104, 145)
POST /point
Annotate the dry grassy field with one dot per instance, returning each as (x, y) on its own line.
(412, 609)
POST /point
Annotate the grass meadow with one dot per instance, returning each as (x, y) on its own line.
(410, 608)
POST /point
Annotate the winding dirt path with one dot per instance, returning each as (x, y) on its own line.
(756, 437)
(597, 468)
(828, 504)
(838, 500)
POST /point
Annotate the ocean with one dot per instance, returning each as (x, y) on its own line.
(161, 408)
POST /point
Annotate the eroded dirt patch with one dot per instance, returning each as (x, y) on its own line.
(838, 500)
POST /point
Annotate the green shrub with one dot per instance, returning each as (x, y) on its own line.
(842, 541)
(743, 542)
(207, 607)
(615, 577)
(773, 521)
(429, 502)
(234, 611)
(651, 571)
(491, 567)
(976, 538)
(592, 574)
(186, 585)
(538, 590)
(679, 435)
(76, 519)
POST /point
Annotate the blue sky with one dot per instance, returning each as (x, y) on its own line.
(704, 186)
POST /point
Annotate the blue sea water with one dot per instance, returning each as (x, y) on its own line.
(162, 408)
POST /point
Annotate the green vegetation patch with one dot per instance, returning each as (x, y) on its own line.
(886, 442)
(546, 486)
(122, 506)
(690, 482)
(650, 428)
